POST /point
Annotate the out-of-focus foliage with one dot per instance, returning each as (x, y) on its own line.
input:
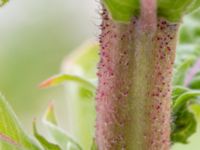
(188, 54)
(60, 137)
(81, 105)
(188, 49)
(94, 146)
(195, 82)
(13, 136)
(56, 80)
(184, 123)
(35, 37)
(2, 2)
(45, 143)
(172, 10)
(11, 130)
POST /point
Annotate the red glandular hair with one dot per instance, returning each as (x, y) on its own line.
(134, 91)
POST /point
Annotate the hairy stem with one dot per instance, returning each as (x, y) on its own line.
(135, 72)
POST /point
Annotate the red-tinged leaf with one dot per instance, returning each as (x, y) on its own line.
(59, 79)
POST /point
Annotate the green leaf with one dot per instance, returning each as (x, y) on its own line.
(9, 146)
(122, 11)
(182, 69)
(56, 80)
(80, 101)
(6, 141)
(195, 108)
(183, 126)
(188, 50)
(83, 60)
(177, 91)
(184, 123)
(60, 137)
(195, 83)
(193, 6)
(184, 98)
(187, 55)
(94, 145)
(172, 10)
(190, 29)
(50, 115)
(2, 2)
(11, 130)
(44, 142)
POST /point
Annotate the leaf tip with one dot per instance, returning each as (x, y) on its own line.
(45, 84)
(50, 114)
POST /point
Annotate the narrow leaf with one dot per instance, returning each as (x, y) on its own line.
(94, 145)
(56, 80)
(9, 146)
(44, 142)
(82, 62)
(11, 130)
(50, 115)
(60, 137)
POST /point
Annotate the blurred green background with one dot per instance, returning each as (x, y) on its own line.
(35, 37)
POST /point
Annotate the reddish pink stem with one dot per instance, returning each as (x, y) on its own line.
(135, 73)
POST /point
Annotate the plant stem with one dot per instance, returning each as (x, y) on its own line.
(135, 72)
